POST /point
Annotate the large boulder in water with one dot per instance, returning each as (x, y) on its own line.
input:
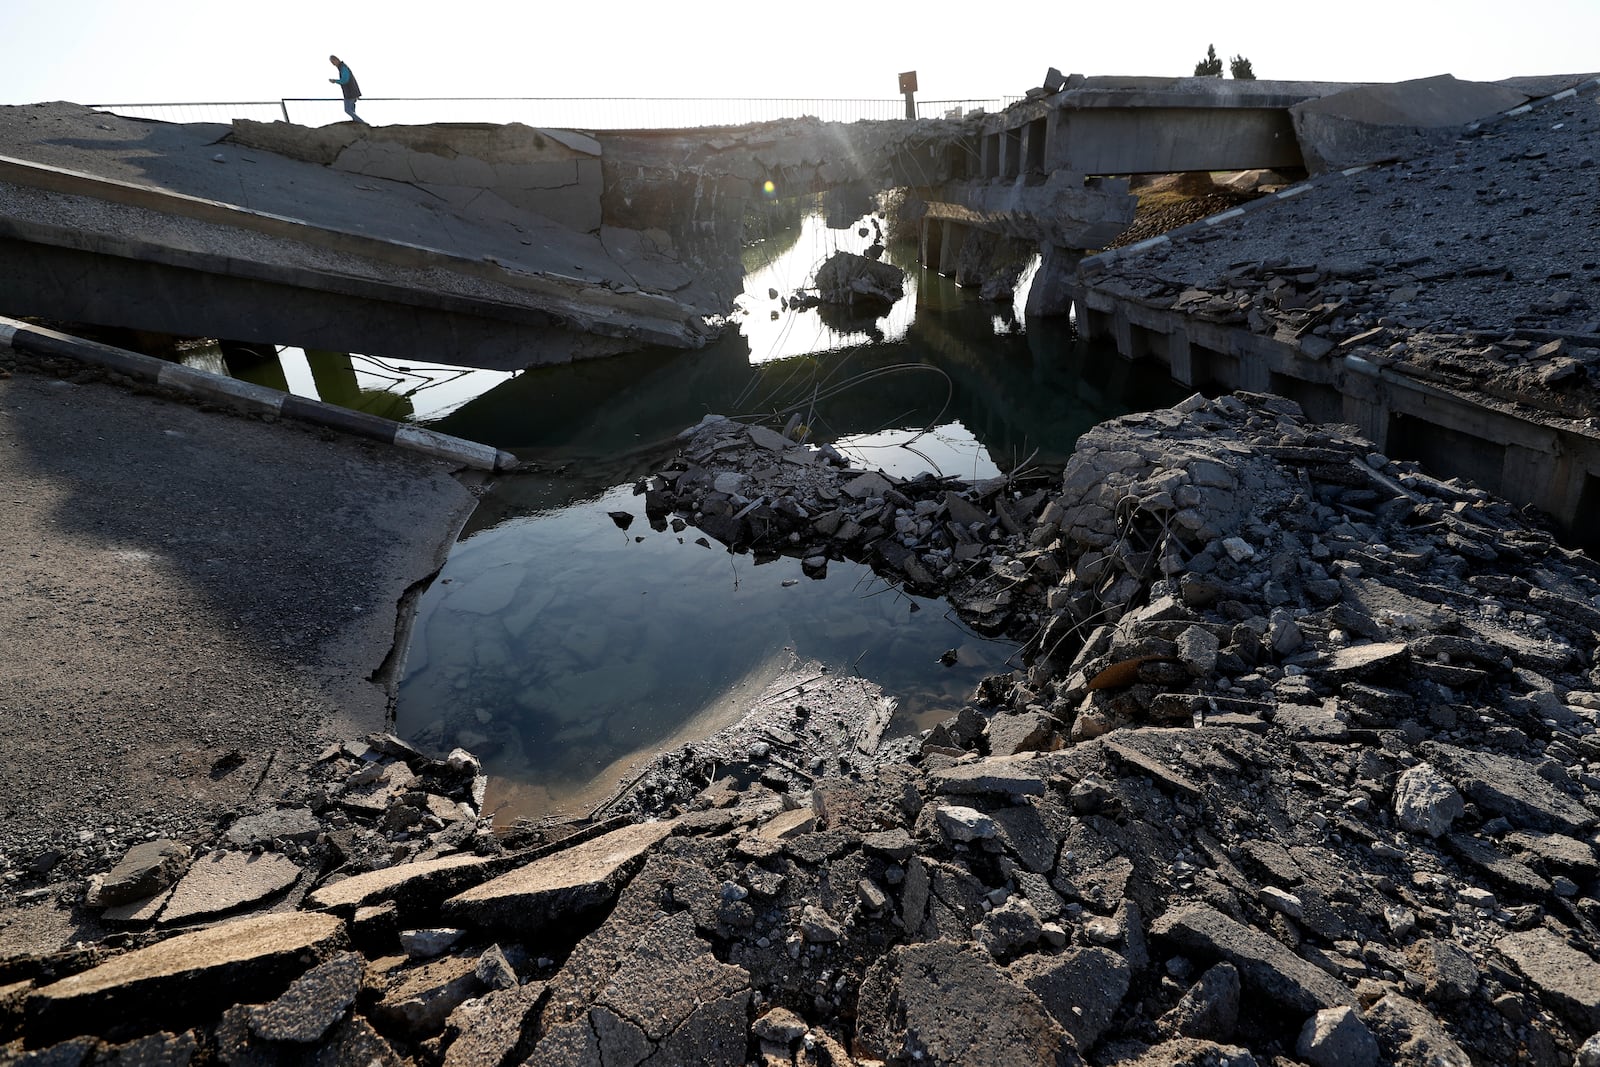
(856, 281)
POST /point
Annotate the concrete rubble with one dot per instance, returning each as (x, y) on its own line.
(1302, 767)
(1468, 267)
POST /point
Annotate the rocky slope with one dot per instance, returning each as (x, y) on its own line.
(1303, 769)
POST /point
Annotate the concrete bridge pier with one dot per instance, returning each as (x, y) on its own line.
(985, 260)
(1055, 285)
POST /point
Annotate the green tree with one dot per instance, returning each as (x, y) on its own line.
(1210, 66)
(1240, 68)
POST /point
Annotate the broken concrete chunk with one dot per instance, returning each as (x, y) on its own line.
(780, 1025)
(426, 944)
(418, 1000)
(159, 1050)
(1024, 731)
(1081, 988)
(486, 1030)
(895, 844)
(1336, 1037)
(281, 824)
(1210, 1008)
(1197, 650)
(1426, 802)
(560, 886)
(787, 825)
(1498, 867)
(1361, 661)
(771, 440)
(1263, 963)
(224, 881)
(1567, 978)
(407, 884)
(952, 1004)
(1449, 974)
(312, 1003)
(818, 927)
(867, 485)
(1011, 776)
(961, 824)
(494, 970)
(858, 281)
(670, 977)
(144, 870)
(1512, 787)
(1407, 1033)
(185, 979)
(1012, 927)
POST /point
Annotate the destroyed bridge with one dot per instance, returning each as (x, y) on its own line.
(507, 246)
(504, 246)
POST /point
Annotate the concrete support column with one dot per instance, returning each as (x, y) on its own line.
(1366, 408)
(1255, 375)
(1035, 140)
(973, 263)
(931, 243)
(1011, 153)
(1541, 478)
(1180, 357)
(1055, 285)
(1122, 333)
(955, 237)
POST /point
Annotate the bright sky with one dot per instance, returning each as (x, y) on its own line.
(124, 51)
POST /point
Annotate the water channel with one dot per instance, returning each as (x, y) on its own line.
(562, 649)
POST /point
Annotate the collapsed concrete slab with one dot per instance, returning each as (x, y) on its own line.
(554, 173)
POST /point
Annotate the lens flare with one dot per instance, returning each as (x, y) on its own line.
(768, 189)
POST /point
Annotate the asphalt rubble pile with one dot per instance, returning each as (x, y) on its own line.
(1472, 268)
(1303, 768)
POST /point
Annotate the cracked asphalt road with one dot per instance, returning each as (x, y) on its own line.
(177, 584)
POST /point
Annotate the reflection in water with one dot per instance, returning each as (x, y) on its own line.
(559, 646)
(404, 392)
(556, 644)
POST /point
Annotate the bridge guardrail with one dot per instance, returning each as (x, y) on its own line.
(581, 113)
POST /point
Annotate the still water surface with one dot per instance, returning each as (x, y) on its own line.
(563, 649)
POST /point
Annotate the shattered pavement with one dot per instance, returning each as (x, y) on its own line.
(1302, 768)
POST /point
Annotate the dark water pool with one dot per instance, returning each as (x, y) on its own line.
(562, 648)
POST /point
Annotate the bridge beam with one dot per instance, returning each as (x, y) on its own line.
(1169, 140)
(83, 286)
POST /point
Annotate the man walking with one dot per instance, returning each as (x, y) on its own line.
(352, 88)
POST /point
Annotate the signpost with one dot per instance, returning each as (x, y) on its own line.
(908, 85)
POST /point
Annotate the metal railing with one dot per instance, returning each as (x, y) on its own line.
(580, 113)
